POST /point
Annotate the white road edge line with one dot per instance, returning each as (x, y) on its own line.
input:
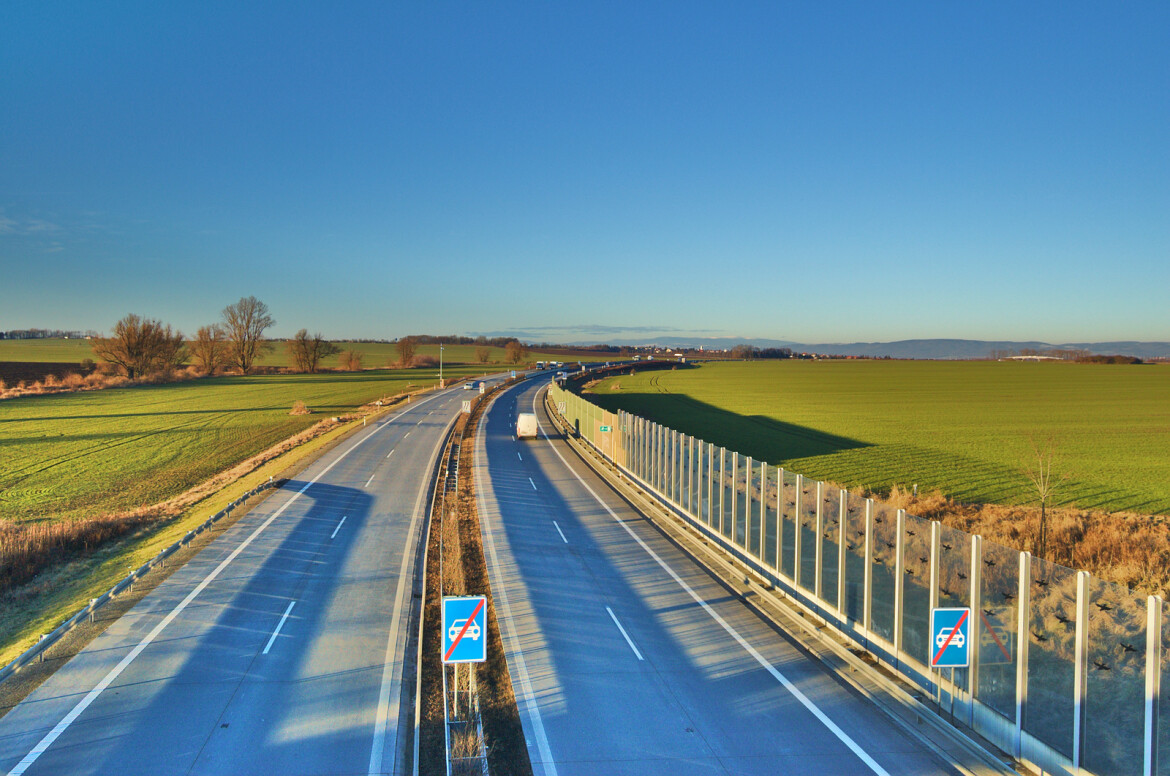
(625, 635)
(117, 670)
(500, 599)
(338, 528)
(562, 533)
(279, 625)
(779, 677)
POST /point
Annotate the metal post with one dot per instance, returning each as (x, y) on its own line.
(780, 520)
(819, 546)
(691, 475)
(899, 584)
(734, 495)
(932, 596)
(763, 512)
(1080, 668)
(935, 549)
(722, 489)
(710, 485)
(867, 595)
(842, 515)
(1023, 622)
(796, 521)
(975, 578)
(1153, 681)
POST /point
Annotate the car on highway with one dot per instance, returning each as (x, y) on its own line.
(472, 630)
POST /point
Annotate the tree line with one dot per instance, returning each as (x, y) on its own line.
(142, 346)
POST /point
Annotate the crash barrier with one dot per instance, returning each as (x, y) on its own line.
(1066, 670)
(37, 651)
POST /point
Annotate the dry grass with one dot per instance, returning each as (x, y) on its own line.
(95, 381)
(1122, 547)
(299, 408)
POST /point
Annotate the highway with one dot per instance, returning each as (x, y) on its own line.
(277, 649)
(628, 658)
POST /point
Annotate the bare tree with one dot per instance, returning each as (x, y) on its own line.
(245, 322)
(406, 350)
(140, 346)
(515, 351)
(210, 348)
(308, 352)
(483, 355)
(1039, 472)
(352, 360)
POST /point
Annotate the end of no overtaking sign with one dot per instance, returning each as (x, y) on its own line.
(464, 629)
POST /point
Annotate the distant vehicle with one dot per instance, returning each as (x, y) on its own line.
(959, 640)
(637, 358)
(526, 426)
(561, 376)
(472, 630)
(540, 365)
(468, 386)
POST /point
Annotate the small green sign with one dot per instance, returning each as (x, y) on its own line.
(606, 429)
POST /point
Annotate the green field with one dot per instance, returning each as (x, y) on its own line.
(73, 454)
(375, 354)
(960, 427)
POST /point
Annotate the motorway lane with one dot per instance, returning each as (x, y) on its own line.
(214, 691)
(624, 652)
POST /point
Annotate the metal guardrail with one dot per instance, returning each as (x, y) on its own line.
(47, 640)
(1066, 671)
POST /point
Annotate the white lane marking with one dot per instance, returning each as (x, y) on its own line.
(388, 703)
(625, 635)
(533, 484)
(371, 479)
(404, 436)
(279, 625)
(500, 599)
(420, 420)
(562, 533)
(389, 453)
(338, 528)
(117, 670)
(779, 677)
(519, 456)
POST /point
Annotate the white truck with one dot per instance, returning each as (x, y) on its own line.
(526, 425)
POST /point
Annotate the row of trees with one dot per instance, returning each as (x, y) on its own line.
(141, 346)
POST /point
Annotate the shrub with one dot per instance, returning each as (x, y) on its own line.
(424, 362)
(299, 408)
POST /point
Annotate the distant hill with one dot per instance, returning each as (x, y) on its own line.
(916, 348)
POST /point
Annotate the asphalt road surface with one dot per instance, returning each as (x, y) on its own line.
(276, 650)
(628, 658)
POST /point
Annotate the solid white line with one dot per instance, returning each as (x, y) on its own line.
(117, 670)
(779, 677)
(500, 598)
(279, 625)
(338, 528)
(532, 483)
(625, 635)
(562, 533)
(371, 479)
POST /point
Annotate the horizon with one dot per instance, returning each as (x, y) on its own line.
(804, 174)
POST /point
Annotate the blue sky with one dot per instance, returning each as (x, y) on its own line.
(806, 171)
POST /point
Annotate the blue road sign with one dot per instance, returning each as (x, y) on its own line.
(950, 638)
(465, 629)
(513, 374)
